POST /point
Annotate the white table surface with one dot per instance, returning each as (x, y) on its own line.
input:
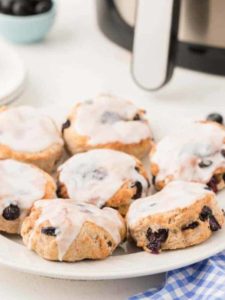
(75, 62)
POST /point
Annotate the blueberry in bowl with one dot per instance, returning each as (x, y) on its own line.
(215, 117)
(25, 7)
(26, 21)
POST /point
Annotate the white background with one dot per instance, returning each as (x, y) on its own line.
(76, 62)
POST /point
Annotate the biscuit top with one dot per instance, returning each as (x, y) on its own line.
(95, 176)
(107, 119)
(176, 195)
(192, 154)
(68, 216)
(27, 130)
(21, 184)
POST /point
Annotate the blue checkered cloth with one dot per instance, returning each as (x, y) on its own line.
(201, 281)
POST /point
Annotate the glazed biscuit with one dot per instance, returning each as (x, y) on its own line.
(29, 136)
(103, 177)
(65, 230)
(21, 185)
(107, 122)
(181, 215)
(196, 153)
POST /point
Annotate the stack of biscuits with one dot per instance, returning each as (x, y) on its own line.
(85, 206)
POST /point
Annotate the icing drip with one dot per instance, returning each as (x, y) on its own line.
(107, 119)
(95, 176)
(21, 184)
(177, 194)
(192, 154)
(26, 129)
(68, 217)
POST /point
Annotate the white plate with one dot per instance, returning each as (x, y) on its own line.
(122, 264)
(12, 74)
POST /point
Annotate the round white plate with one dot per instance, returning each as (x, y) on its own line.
(131, 262)
(12, 74)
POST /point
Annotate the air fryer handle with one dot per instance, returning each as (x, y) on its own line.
(155, 42)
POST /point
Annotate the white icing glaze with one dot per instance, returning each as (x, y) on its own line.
(95, 176)
(180, 154)
(117, 127)
(26, 129)
(177, 194)
(68, 217)
(21, 184)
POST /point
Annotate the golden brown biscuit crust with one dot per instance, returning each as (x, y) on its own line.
(46, 159)
(175, 222)
(122, 199)
(76, 143)
(14, 226)
(154, 168)
(93, 242)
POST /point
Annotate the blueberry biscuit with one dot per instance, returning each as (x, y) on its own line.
(196, 154)
(107, 122)
(65, 230)
(103, 177)
(21, 185)
(29, 136)
(181, 215)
